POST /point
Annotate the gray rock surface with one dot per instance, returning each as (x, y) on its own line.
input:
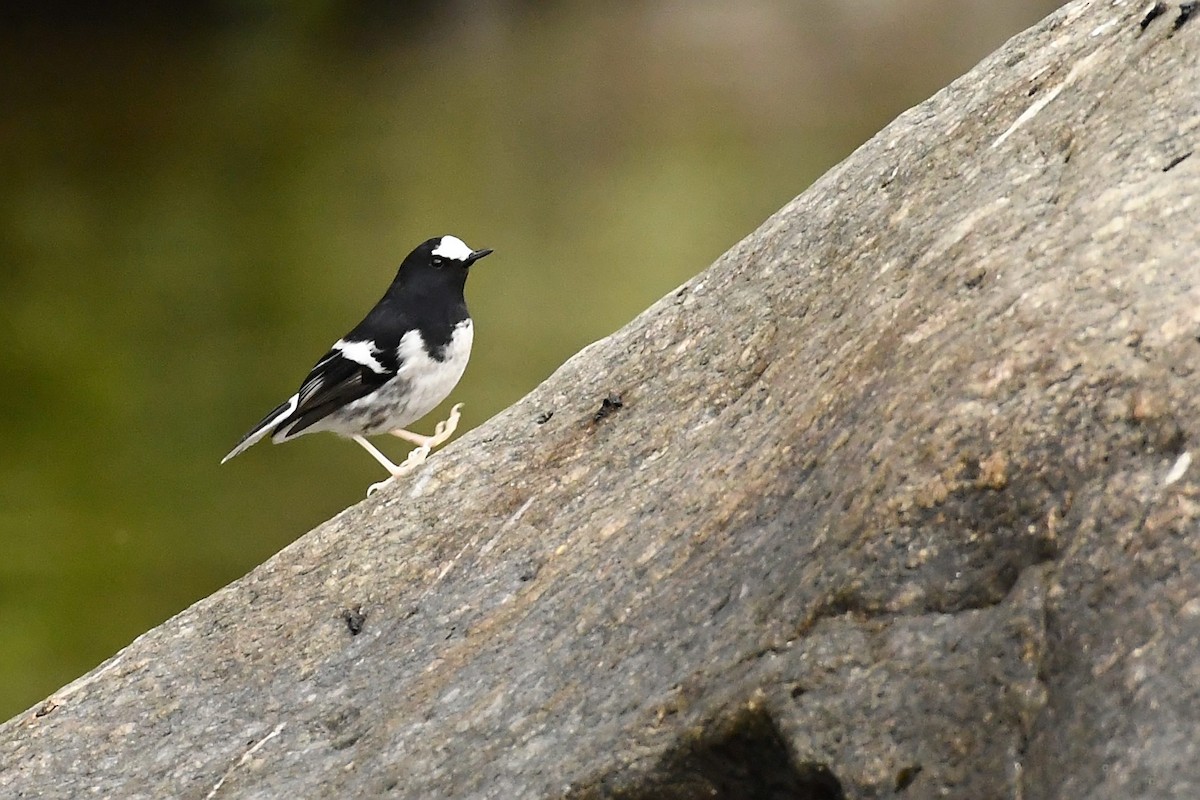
(896, 501)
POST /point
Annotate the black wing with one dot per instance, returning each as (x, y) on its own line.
(335, 381)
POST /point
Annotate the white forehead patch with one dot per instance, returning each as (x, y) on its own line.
(452, 247)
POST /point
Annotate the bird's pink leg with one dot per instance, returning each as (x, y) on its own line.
(444, 430)
(414, 460)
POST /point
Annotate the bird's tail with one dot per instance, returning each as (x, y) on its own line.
(281, 412)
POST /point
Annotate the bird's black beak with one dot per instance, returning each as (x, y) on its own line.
(476, 255)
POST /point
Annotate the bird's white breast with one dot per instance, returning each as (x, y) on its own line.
(427, 380)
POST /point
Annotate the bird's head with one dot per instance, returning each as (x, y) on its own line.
(440, 261)
(448, 252)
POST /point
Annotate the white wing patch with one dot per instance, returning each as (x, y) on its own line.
(360, 353)
(453, 248)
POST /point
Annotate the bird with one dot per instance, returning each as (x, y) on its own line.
(394, 367)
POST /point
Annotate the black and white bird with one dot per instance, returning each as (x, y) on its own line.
(394, 367)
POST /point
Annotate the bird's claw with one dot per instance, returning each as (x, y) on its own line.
(441, 432)
(416, 458)
(445, 429)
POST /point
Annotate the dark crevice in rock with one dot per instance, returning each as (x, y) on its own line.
(608, 406)
(1185, 13)
(1156, 11)
(906, 776)
(355, 618)
(740, 758)
(1176, 161)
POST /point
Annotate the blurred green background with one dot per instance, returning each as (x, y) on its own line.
(196, 201)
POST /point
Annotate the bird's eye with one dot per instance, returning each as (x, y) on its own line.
(437, 261)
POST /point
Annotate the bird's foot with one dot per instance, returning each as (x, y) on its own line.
(415, 459)
(441, 433)
(446, 428)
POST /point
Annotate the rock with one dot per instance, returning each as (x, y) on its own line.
(895, 499)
